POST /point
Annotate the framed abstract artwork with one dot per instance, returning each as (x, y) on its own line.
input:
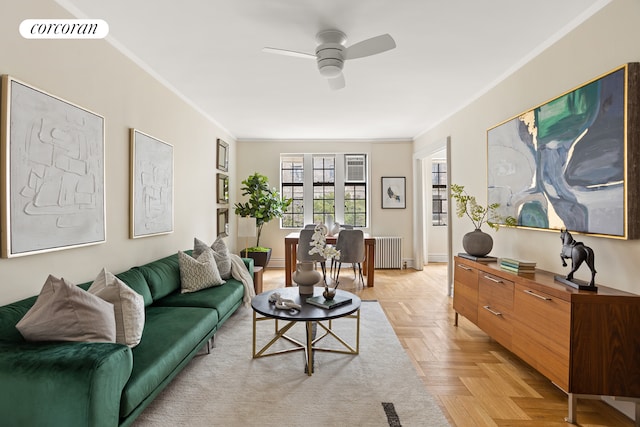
(151, 176)
(572, 162)
(393, 192)
(223, 222)
(223, 188)
(53, 172)
(222, 156)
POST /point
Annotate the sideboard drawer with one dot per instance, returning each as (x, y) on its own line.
(465, 291)
(495, 307)
(542, 333)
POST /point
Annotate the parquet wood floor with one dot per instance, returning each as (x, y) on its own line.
(474, 379)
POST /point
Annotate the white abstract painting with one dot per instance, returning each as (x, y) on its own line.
(53, 170)
(152, 185)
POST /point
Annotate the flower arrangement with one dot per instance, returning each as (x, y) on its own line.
(467, 205)
(319, 243)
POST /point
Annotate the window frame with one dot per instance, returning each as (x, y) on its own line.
(439, 193)
(339, 186)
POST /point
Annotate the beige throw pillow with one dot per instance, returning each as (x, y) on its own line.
(197, 274)
(128, 306)
(65, 312)
(223, 258)
(220, 253)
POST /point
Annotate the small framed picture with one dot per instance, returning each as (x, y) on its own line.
(223, 222)
(223, 188)
(393, 192)
(223, 156)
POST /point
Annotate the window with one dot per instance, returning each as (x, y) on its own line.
(439, 192)
(324, 171)
(355, 204)
(328, 185)
(292, 178)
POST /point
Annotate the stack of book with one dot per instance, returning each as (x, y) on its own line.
(477, 258)
(517, 266)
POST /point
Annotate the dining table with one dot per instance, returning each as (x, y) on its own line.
(291, 246)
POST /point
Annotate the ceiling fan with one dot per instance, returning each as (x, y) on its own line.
(331, 53)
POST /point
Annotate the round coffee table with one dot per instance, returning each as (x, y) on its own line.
(309, 314)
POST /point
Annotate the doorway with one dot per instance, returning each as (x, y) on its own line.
(432, 211)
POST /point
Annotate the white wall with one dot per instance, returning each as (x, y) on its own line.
(385, 159)
(602, 43)
(94, 75)
(605, 41)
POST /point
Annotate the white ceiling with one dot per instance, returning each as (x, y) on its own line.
(448, 53)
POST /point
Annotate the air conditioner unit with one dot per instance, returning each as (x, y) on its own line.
(356, 168)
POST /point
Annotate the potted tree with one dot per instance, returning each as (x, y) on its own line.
(265, 204)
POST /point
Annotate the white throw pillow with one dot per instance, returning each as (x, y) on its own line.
(200, 273)
(65, 312)
(128, 306)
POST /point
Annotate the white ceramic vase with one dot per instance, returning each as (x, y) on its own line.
(335, 229)
(306, 277)
(329, 225)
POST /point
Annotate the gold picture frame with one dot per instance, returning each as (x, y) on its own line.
(571, 162)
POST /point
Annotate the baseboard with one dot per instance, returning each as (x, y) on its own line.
(276, 263)
(437, 258)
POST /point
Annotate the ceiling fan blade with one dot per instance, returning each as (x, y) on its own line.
(288, 52)
(337, 82)
(370, 47)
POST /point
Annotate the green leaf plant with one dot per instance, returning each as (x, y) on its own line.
(467, 205)
(265, 203)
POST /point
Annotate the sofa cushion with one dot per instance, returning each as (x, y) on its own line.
(220, 253)
(223, 299)
(197, 274)
(168, 341)
(65, 312)
(11, 314)
(128, 306)
(62, 383)
(162, 275)
(136, 281)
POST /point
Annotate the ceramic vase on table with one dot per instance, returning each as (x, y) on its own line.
(335, 229)
(306, 276)
(329, 225)
(477, 243)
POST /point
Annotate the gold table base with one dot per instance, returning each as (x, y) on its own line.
(311, 344)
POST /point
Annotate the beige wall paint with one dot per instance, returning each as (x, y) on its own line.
(385, 159)
(605, 41)
(94, 75)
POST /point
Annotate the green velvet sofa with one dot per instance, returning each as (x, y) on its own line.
(102, 384)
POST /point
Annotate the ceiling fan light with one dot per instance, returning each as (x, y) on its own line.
(330, 71)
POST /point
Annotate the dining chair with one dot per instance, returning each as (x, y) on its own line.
(350, 243)
(302, 253)
(310, 227)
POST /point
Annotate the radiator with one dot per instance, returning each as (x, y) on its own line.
(388, 252)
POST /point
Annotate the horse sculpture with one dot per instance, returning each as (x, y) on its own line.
(578, 253)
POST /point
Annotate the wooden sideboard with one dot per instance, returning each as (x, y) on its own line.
(587, 343)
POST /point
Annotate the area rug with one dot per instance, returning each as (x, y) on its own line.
(378, 387)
